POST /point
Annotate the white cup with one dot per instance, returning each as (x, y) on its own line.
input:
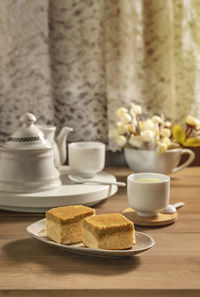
(86, 158)
(148, 193)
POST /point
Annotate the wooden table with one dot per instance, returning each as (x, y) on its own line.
(171, 268)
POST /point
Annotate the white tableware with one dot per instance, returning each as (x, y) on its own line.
(143, 243)
(148, 193)
(81, 180)
(27, 161)
(59, 142)
(171, 208)
(152, 161)
(67, 194)
(86, 158)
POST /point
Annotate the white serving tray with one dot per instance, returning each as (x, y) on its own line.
(68, 193)
(143, 243)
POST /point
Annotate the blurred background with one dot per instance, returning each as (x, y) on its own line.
(74, 62)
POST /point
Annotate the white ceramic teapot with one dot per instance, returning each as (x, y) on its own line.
(27, 160)
(59, 142)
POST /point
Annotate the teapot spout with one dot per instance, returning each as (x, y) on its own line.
(61, 143)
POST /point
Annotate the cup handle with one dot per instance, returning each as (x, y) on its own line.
(187, 162)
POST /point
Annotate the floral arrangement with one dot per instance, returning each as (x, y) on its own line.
(153, 133)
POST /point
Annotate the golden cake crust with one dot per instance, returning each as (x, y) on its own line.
(69, 214)
(104, 224)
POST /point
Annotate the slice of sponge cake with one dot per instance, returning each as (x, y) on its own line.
(108, 231)
(65, 224)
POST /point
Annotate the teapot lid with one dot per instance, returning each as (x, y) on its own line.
(28, 136)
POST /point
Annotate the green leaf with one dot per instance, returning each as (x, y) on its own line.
(178, 134)
(192, 141)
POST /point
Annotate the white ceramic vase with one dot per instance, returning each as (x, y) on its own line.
(152, 161)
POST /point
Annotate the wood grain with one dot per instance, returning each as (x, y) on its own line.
(171, 268)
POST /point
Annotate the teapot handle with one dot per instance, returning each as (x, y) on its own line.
(61, 143)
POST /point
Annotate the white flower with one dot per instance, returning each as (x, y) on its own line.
(148, 125)
(121, 140)
(174, 145)
(165, 132)
(157, 120)
(122, 128)
(136, 141)
(193, 122)
(166, 140)
(133, 126)
(147, 136)
(121, 111)
(157, 137)
(161, 147)
(125, 118)
(167, 124)
(135, 109)
(113, 133)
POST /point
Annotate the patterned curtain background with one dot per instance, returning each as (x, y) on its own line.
(73, 62)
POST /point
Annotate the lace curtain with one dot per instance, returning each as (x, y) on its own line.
(73, 62)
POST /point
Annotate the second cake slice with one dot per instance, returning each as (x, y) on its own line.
(109, 232)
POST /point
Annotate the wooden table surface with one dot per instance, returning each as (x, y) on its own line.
(171, 268)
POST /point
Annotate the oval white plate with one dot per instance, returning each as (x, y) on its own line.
(143, 243)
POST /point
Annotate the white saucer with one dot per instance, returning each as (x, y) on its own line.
(68, 193)
(143, 243)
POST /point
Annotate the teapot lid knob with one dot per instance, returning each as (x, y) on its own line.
(28, 119)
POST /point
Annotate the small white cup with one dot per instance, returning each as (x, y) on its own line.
(148, 193)
(86, 158)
